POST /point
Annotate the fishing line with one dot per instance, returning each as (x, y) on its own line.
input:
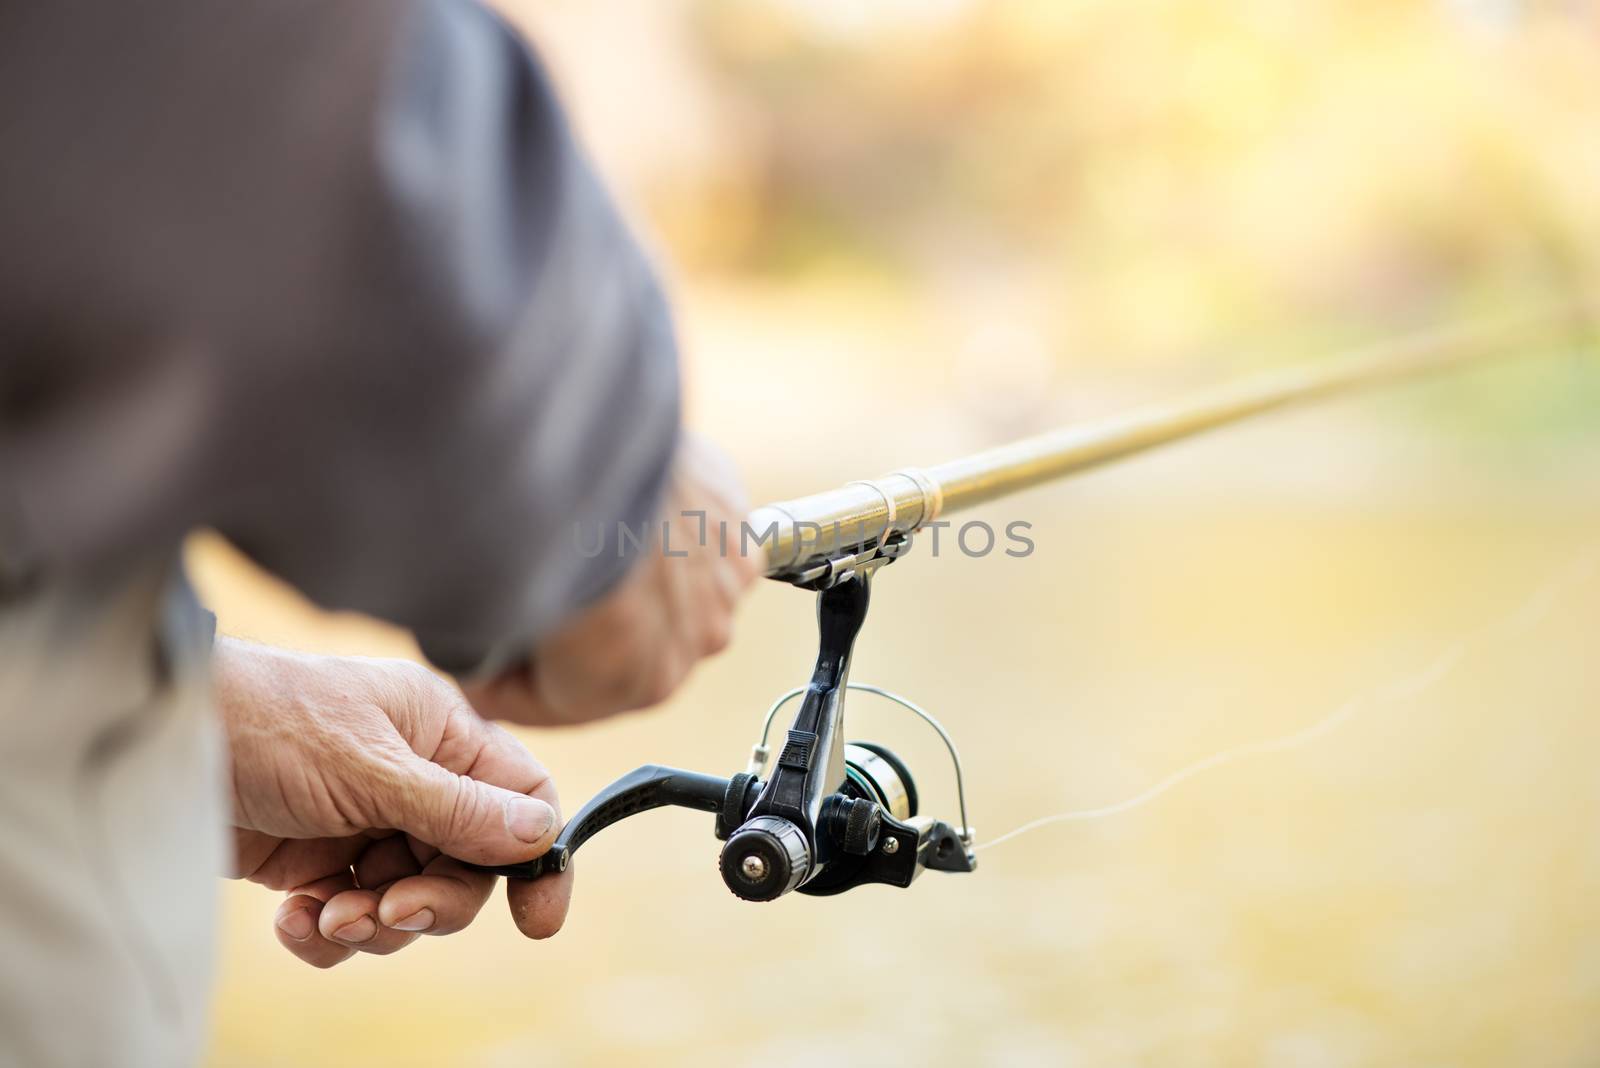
(1533, 610)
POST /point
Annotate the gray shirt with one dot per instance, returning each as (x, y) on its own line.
(332, 277)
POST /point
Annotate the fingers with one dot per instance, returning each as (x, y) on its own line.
(251, 850)
(296, 862)
(637, 644)
(714, 477)
(480, 797)
(420, 891)
(746, 567)
(350, 918)
(611, 659)
(298, 922)
(442, 900)
(488, 752)
(539, 906)
(445, 896)
(514, 695)
(383, 906)
(469, 796)
(385, 861)
(469, 819)
(457, 787)
(712, 474)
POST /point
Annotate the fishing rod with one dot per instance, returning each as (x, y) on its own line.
(833, 814)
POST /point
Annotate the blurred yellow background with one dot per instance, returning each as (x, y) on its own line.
(1015, 215)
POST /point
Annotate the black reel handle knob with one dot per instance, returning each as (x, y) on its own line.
(765, 859)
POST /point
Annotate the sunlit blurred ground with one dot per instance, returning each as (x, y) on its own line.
(1417, 887)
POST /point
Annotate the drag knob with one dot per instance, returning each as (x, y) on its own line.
(765, 859)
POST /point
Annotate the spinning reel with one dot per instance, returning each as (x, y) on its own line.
(832, 814)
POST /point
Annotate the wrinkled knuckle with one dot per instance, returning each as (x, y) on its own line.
(463, 807)
(398, 688)
(428, 685)
(500, 738)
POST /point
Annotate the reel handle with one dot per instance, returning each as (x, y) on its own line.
(651, 786)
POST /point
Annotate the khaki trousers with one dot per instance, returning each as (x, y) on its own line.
(112, 823)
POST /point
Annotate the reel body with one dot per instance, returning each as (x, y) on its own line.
(831, 816)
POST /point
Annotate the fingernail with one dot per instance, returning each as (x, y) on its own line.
(298, 925)
(361, 930)
(420, 920)
(529, 818)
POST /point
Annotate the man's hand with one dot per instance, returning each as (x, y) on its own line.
(634, 646)
(352, 780)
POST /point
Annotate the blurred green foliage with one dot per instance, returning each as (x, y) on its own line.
(1161, 180)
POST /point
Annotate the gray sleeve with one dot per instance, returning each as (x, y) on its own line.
(332, 277)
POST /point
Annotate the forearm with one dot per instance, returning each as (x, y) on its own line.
(359, 303)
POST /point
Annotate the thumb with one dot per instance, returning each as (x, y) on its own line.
(472, 820)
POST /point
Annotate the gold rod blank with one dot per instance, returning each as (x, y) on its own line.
(822, 524)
